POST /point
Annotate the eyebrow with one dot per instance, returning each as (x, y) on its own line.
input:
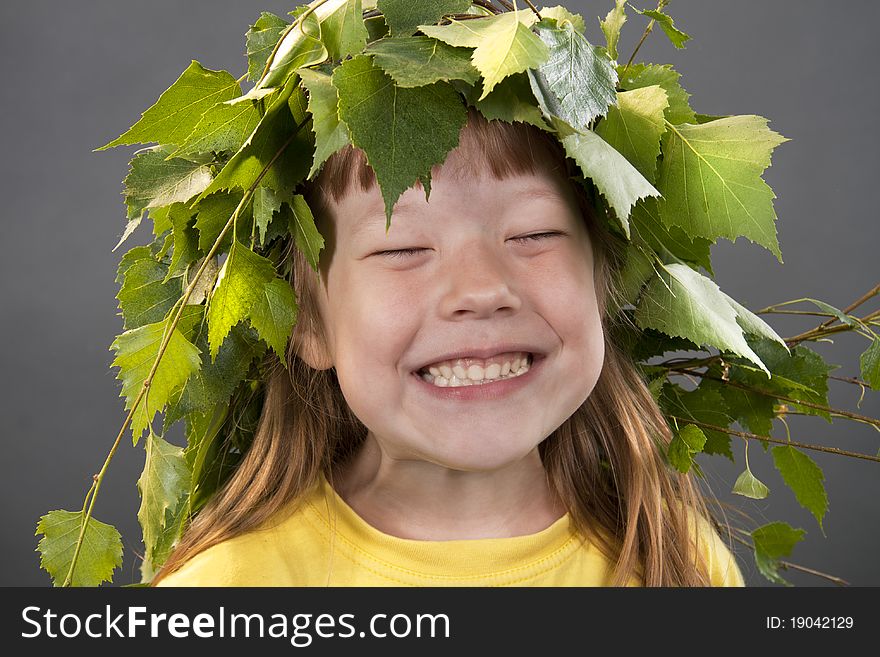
(370, 219)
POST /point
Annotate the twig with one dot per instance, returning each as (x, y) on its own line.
(855, 304)
(532, 7)
(486, 4)
(765, 393)
(789, 565)
(754, 436)
(98, 478)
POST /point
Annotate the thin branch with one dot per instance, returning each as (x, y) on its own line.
(789, 565)
(827, 323)
(533, 8)
(765, 393)
(754, 436)
(96, 484)
(849, 379)
(507, 5)
(486, 4)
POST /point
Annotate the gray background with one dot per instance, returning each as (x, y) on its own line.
(79, 73)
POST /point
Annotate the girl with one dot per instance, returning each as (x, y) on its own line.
(455, 412)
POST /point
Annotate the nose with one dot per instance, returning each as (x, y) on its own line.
(479, 284)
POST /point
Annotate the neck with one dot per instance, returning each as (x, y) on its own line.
(421, 500)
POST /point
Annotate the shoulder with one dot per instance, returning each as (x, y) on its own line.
(722, 565)
(276, 554)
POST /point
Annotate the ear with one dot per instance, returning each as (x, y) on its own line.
(311, 348)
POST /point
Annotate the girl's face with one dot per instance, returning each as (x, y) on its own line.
(486, 277)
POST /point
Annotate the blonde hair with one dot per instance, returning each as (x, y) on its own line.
(605, 462)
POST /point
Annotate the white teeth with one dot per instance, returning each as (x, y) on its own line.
(476, 375)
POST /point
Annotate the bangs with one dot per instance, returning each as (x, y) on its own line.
(496, 148)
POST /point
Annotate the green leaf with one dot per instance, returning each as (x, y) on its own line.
(163, 484)
(619, 181)
(710, 178)
(161, 219)
(753, 411)
(239, 286)
(99, 556)
(403, 132)
(676, 36)
(223, 127)
(754, 325)
(503, 44)
(511, 100)
(419, 60)
(331, 134)
(687, 442)
(266, 203)
(704, 405)
(638, 76)
(561, 14)
(186, 240)
(217, 378)
(213, 214)
(180, 107)
(645, 224)
(870, 364)
(274, 314)
(343, 30)
(680, 301)
(637, 269)
(404, 16)
(145, 297)
(136, 351)
(804, 477)
(301, 46)
(748, 485)
(302, 226)
(576, 83)
(261, 40)
(272, 142)
(634, 127)
(614, 20)
(772, 542)
(154, 181)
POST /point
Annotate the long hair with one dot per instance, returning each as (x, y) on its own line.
(605, 462)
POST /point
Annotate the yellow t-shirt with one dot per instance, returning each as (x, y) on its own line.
(324, 542)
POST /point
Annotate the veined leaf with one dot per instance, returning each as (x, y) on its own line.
(277, 141)
(560, 14)
(300, 46)
(680, 301)
(511, 100)
(343, 31)
(136, 351)
(403, 132)
(772, 542)
(186, 241)
(687, 442)
(614, 20)
(154, 181)
(419, 60)
(646, 225)
(180, 107)
(261, 40)
(274, 314)
(223, 127)
(804, 477)
(704, 405)
(302, 226)
(240, 284)
(748, 485)
(575, 82)
(163, 484)
(404, 16)
(503, 44)
(331, 134)
(710, 178)
(145, 297)
(266, 203)
(638, 76)
(676, 36)
(619, 181)
(99, 556)
(870, 364)
(634, 127)
(213, 214)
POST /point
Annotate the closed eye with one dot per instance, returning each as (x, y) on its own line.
(400, 253)
(534, 237)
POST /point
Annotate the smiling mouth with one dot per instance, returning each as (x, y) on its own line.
(469, 372)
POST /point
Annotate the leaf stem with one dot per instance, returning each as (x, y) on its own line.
(660, 5)
(773, 395)
(806, 335)
(297, 22)
(754, 436)
(96, 483)
(532, 7)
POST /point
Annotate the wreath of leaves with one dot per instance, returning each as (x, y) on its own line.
(221, 179)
